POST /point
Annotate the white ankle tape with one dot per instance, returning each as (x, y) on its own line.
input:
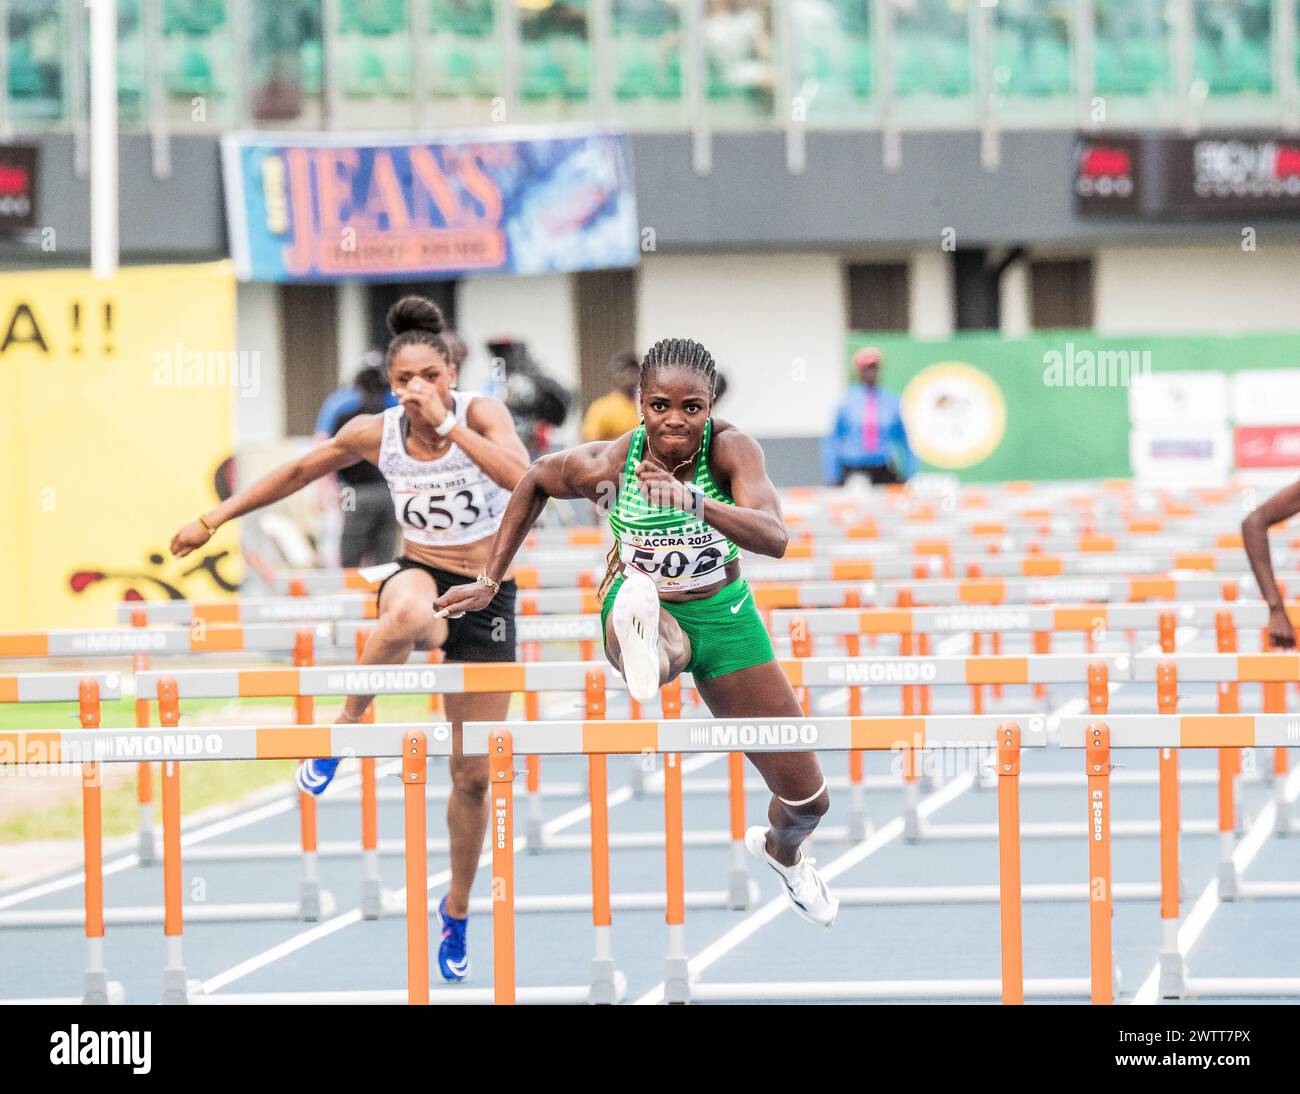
(820, 790)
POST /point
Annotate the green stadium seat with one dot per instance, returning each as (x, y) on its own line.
(24, 74)
(577, 74)
(373, 18)
(668, 77)
(189, 73)
(635, 58)
(363, 73)
(862, 67)
(312, 62)
(195, 18)
(453, 66)
(542, 75)
(487, 69)
(464, 18)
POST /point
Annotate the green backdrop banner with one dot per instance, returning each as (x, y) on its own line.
(1054, 405)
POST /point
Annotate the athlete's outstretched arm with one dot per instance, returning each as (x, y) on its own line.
(754, 523)
(1254, 534)
(573, 473)
(355, 441)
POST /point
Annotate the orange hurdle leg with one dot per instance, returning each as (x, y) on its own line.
(676, 983)
(435, 698)
(371, 899)
(304, 713)
(738, 879)
(370, 891)
(604, 988)
(95, 988)
(175, 985)
(148, 846)
(415, 837)
(533, 837)
(501, 764)
(997, 689)
(1100, 902)
(1042, 644)
(1275, 703)
(1229, 767)
(1173, 968)
(1009, 892)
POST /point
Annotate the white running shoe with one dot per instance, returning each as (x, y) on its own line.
(636, 623)
(808, 893)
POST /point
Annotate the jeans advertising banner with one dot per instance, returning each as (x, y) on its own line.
(311, 207)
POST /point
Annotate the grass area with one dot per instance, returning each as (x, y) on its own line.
(120, 713)
(203, 784)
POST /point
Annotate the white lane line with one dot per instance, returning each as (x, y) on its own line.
(300, 941)
(1193, 926)
(774, 907)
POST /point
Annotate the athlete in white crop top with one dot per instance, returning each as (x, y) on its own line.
(451, 460)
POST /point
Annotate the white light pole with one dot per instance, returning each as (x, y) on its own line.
(103, 137)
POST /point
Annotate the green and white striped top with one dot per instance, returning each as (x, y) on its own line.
(677, 550)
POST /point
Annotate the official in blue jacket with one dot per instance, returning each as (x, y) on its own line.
(868, 436)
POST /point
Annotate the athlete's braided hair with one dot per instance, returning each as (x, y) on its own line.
(679, 353)
(416, 320)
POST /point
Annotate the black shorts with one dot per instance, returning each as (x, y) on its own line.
(486, 635)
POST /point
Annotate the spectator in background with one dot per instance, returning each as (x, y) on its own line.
(868, 423)
(346, 398)
(538, 403)
(369, 525)
(326, 488)
(615, 413)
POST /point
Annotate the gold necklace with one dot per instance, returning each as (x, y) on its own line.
(673, 472)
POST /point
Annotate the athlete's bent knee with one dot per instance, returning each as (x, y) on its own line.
(818, 805)
(410, 618)
(473, 784)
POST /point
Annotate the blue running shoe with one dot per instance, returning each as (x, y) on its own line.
(453, 960)
(315, 775)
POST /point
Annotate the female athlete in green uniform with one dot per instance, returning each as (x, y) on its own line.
(688, 494)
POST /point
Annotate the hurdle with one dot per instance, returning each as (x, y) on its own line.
(87, 690)
(141, 641)
(1090, 620)
(1273, 671)
(1168, 732)
(247, 610)
(312, 904)
(170, 745)
(1096, 737)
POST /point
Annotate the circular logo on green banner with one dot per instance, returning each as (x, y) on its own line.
(955, 414)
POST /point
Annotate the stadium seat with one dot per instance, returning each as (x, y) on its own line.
(188, 72)
(194, 18)
(635, 58)
(542, 75)
(862, 70)
(312, 62)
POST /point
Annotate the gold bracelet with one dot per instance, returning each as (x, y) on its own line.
(207, 527)
(495, 586)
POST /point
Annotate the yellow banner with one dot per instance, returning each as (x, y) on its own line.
(117, 403)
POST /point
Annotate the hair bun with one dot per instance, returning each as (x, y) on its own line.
(415, 313)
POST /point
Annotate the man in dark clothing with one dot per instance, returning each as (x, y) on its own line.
(369, 526)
